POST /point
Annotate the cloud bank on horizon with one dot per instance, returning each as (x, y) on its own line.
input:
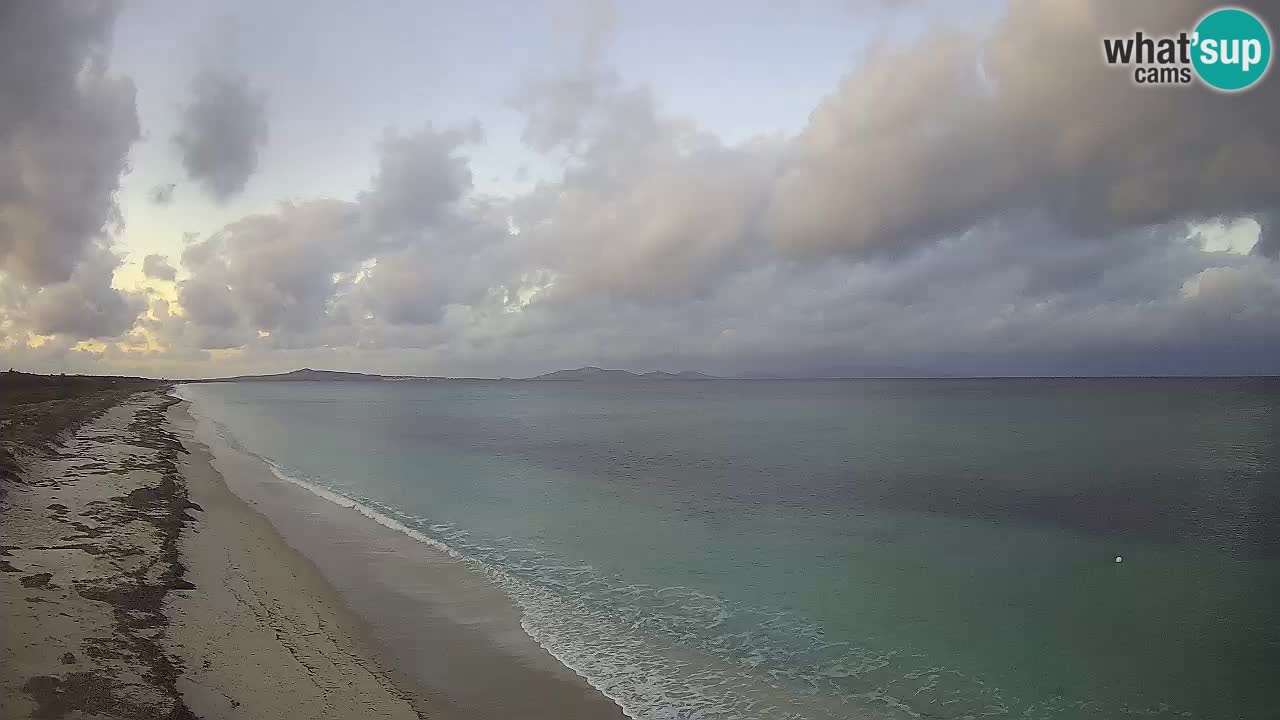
(974, 197)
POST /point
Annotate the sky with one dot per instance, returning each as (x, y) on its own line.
(502, 188)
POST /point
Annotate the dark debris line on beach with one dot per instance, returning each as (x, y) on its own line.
(138, 599)
(136, 596)
(36, 411)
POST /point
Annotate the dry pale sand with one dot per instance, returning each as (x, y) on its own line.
(100, 618)
(90, 544)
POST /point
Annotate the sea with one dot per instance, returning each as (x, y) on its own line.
(991, 548)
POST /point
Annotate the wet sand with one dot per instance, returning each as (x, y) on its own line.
(449, 634)
(145, 575)
(263, 635)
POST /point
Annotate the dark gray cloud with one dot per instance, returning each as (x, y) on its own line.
(223, 128)
(66, 126)
(974, 303)
(158, 267)
(1269, 239)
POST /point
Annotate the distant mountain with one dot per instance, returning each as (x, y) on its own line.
(583, 374)
(303, 375)
(596, 374)
(590, 373)
(682, 375)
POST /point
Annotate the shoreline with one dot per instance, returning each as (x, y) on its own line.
(150, 571)
(452, 638)
(264, 635)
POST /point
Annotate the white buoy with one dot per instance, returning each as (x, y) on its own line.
(1119, 559)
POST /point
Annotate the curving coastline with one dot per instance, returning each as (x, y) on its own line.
(136, 583)
(453, 640)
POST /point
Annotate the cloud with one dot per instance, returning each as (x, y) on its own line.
(1246, 294)
(420, 177)
(66, 126)
(158, 267)
(223, 128)
(934, 137)
(162, 194)
(919, 142)
(652, 208)
(272, 272)
(929, 217)
(983, 200)
(289, 278)
(1268, 244)
(86, 306)
(558, 105)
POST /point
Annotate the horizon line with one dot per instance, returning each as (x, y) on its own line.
(706, 377)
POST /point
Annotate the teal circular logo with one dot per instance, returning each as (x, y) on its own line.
(1231, 49)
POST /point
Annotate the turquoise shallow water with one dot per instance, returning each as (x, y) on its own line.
(814, 549)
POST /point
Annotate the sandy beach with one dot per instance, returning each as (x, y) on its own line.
(137, 584)
(90, 541)
(263, 635)
(104, 617)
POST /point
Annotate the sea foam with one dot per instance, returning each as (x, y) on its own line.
(343, 501)
(608, 645)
